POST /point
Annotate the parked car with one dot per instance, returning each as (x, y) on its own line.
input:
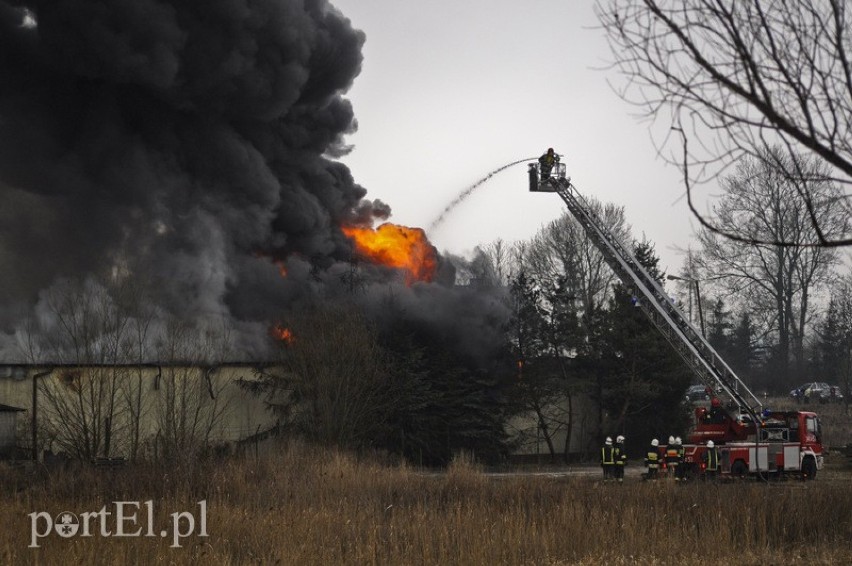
(817, 391)
(697, 393)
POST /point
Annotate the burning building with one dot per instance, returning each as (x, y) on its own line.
(168, 170)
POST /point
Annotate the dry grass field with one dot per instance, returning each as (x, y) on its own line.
(297, 505)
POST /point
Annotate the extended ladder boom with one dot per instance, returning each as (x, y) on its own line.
(692, 346)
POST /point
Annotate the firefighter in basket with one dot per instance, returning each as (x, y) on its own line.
(547, 162)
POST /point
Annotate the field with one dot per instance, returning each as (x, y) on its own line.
(296, 505)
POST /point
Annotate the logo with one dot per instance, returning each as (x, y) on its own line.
(67, 524)
(126, 519)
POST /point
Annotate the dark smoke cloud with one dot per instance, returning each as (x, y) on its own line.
(189, 145)
(180, 142)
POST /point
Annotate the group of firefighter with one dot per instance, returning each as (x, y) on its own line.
(670, 460)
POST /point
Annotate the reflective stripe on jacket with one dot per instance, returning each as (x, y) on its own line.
(711, 458)
(607, 455)
(620, 456)
(652, 459)
(672, 454)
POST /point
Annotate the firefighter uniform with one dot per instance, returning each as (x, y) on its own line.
(620, 459)
(680, 471)
(546, 162)
(710, 459)
(608, 460)
(652, 460)
(672, 454)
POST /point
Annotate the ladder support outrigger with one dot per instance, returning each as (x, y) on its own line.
(692, 346)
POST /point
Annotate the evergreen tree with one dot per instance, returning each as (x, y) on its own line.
(741, 353)
(640, 378)
(833, 350)
(719, 328)
(543, 330)
(448, 402)
(733, 342)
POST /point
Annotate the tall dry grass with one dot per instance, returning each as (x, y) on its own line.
(306, 506)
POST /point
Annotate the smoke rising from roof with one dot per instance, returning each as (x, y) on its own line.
(187, 144)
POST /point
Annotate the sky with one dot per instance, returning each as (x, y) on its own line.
(450, 91)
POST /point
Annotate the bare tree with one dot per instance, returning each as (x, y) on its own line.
(98, 400)
(190, 404)
(136, 350)
(737, 77)
(336, 386)
(495, 262)
(774, 282)
(572, 282)
(81, 328)
(561, 255)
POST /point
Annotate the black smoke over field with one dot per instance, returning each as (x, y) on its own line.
(187, 144)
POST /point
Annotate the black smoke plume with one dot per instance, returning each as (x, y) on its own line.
(179, 142)
(187, 144)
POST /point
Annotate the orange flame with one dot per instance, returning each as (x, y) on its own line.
(279, 263)
(281, 268)
(281, 333)
(399, 247)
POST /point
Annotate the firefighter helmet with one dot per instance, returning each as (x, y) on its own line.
(671, 440)
(619, 438)
(655, 442)
(678, 440)
(608, 440)
(715, 402)
(710, 444)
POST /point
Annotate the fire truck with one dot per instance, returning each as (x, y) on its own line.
(779, 443)
(751, 439)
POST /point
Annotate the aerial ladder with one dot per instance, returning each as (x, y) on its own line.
(650, 296)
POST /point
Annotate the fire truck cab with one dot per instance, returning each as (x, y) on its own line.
(782, 442)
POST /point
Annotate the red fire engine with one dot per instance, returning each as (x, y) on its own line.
(779, 443)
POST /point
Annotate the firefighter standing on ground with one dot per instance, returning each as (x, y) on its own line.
(608, 459)
(710, 458)
(680, 471)
(547, 161)
(652, 460)
(672, 458)
(620, 458)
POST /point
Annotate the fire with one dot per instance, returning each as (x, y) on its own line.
(281, 333)
(279, 263)
(281, 268)
(399, 247)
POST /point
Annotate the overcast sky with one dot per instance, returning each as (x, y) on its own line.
(451, 90)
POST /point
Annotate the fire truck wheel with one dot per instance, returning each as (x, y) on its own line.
(809, 469)
(739, 469)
